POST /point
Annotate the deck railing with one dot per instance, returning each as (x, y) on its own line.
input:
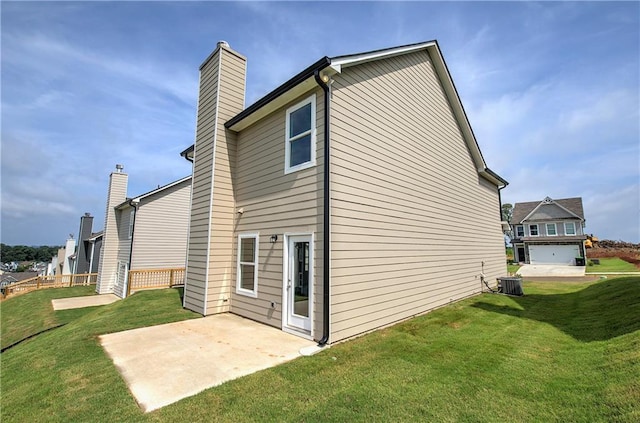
(50, 281)
(138, 280)
(154, 279)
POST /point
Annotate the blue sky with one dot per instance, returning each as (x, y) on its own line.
(551, 91)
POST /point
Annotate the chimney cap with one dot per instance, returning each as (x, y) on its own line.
(223, 43)
(119, 168)
(87, 214)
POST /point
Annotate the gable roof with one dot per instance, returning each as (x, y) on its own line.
(95, 236)
(128, 201)
(305, 81)
(523, 210)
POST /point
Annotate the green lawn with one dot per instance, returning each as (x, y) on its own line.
(564, 352)
(513, 268)
(27, 314)
(612, 264)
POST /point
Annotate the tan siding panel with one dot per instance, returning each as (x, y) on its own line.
(275, 203)
(161, 226)
(412, 223)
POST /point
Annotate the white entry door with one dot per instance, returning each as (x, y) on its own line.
(298, 296)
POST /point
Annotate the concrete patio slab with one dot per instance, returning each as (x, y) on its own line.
(554, 270)
(163, 364)
(81, 302)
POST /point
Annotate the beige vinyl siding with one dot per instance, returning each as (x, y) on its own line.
(161, 225)
(198, 240)
(123, 219)
(107, 267)
(277, 204)
(402, 181)
(221, 257)
(209, 256)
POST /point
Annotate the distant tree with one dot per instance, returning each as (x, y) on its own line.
(20, 253)
(507, 214)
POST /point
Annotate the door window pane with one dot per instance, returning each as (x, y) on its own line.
(301, 279)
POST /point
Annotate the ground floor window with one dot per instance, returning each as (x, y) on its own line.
(247, 279)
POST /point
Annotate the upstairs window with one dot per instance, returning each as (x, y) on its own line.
(569, 228)
(300, 147)
(533, 230)
(551, 229)
(519, 231)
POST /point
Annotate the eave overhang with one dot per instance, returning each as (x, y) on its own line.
(304, 82)
(129, 201)
(294, 87)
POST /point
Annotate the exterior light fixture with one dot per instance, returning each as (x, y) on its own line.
(273, 239)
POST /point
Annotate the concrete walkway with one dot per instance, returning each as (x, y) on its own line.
(81, 302)
(534, 270)
(163, 364)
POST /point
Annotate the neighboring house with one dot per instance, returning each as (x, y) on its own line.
(64, 262)
(548, 231)
(89, 244)
(144, 232)
(351, 197)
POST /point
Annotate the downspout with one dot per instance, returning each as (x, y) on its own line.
(326, 229)
(134, 204)
(500, 198)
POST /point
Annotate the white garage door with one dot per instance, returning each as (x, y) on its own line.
(553, 254)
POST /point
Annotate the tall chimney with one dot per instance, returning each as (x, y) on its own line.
(69, 249)
(210, 261)
(110, 242)
(82, 258)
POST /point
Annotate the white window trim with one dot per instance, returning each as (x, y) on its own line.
(287, 148)
(575, 230)
(546, 228)
(239, 290)
(537, 227)
(523, 232)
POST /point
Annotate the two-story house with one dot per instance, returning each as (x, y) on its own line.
(145, 232)
(332, 206)
(548, 231)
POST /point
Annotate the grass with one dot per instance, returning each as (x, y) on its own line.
(612, 264)
(513, 268)
(564, 352)
(27, 314)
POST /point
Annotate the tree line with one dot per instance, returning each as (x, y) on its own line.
(19, 253)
